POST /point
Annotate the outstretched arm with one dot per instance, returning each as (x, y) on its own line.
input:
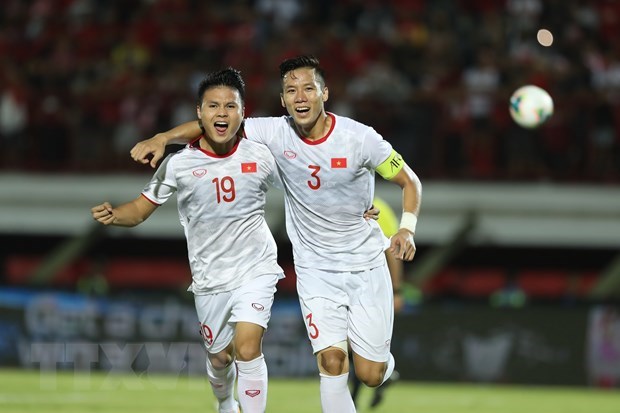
(129, 214)
(402, 244)
(152, 150)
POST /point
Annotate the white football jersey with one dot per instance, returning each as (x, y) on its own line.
(328, 185)
(221, 201)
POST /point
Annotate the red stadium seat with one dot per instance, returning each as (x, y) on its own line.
(19, 270)
(544, 283)
(587, 280)
(482, 282)
(147, 273)
(443, 282)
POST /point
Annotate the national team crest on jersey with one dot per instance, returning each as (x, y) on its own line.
(248, 167)
(339, 163)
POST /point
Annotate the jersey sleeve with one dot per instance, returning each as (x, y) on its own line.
(375, 149)
(262, 130)
(163, 183)
(258, 129)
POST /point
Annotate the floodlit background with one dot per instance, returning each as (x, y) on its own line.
(517, 275)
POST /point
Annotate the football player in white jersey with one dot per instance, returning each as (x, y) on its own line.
(221, 181)
(327, 164)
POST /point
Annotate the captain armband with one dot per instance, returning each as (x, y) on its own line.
(391, 166)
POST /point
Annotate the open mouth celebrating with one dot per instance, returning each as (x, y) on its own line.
(221, 127)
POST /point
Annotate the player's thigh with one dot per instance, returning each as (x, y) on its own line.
(324, 307)
(252, 302)
(251, 312)
(371, 315)
(214, 311)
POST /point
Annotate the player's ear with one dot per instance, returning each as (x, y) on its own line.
(198, 111)
(325, 94)
(282, 100)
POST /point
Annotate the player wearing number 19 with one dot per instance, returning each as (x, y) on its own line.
(327, 164)
(221, 180)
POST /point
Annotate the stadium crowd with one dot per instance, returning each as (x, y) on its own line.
(81, 81)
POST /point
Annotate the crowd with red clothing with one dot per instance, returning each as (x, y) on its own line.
(81, 81)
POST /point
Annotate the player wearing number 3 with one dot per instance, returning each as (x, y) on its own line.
(327, 164)
(220, 181)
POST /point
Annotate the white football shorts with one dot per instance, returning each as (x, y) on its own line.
(357, 305)
(218, 313)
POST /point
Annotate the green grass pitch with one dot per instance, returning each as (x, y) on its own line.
(33, 391)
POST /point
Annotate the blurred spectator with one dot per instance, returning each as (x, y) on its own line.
(433, 77)
(13, 116)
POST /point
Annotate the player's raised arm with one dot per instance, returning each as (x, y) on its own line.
(128, 214)
(152, 150)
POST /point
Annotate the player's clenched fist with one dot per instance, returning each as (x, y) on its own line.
(103, 213)
(402, 245)
(150, 150)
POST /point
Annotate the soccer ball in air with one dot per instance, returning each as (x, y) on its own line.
(530, 106)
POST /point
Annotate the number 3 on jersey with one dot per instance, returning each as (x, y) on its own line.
(314, 183)
(313, 330)
(224, 189)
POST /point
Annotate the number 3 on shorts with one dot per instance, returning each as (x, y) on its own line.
(313, 331)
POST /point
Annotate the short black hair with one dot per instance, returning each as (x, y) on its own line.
(302, 61)
(226, 77)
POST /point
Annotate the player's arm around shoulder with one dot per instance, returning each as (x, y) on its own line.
(128, 214)
(396, 170)
(153, 149)
(265, 129)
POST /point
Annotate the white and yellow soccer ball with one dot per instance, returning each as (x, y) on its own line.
(531, 106)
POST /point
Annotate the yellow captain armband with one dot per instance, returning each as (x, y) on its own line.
(391, 166)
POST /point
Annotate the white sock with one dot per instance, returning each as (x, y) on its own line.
(335, 395)
(223, 386)
(252, 385)
(391, 363)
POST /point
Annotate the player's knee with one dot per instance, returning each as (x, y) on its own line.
(218, 361)
(371, 376)
(370, 379)
(221, 360)
(332, 361)
(374, 380)
(247, 350)
(248, 341)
